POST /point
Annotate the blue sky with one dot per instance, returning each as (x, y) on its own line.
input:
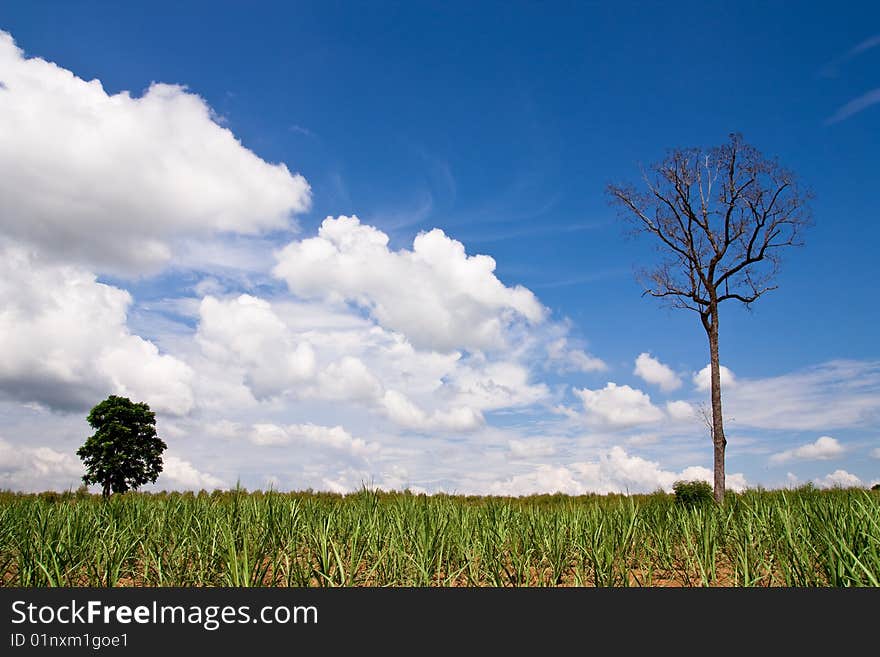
(499, 124)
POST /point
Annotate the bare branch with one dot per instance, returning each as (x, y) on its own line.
(746, 299)
(723, 249)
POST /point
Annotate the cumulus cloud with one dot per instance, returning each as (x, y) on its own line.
(823, 449)
(703, 378)
(310, 353)
(435, 294)
(246, 333)
(531, 448)
(653, 371)
(680, 410)
(75, 161)
(567, 359)
(348, 379)
(619, 405)
(839, 479)
(37, 468)
(65, 341)
(614, 471)
(543, 479)
(311, 435)
(487, 385)
(178, 473)
(732, 480)
(617, 471)
(405, 413)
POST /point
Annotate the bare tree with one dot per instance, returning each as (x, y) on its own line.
(720, 217)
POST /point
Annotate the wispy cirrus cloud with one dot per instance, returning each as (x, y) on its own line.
(831, 69)
(300, 130)
(833, 395)
(855, 106)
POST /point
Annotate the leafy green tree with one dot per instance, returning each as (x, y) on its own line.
(124, 452)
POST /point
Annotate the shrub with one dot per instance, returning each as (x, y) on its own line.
(692, 493)
(875, 487)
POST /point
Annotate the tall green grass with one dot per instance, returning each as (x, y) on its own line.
(804, 537)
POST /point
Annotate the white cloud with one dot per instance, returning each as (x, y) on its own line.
(543, 479)
(823, 449)
(321, 353)
(876, 453)
(337, 487)
(732, 481)
(237, 262)
(653, 371)
(619, 406)
(531, 448)
(348, 379)
(311, 435)
(489, 385)
(225, 429)
(66, 345)
(269, 435)
(405, 413)
(113, 180)
(839, 479)
(703, 378)
(567, 359)
(643, 439)
(680, 410)
(855, 106)
(833, 395)
(615, 471)
(245, 332)
(580, 361)
(351, 479)
(436, 295)
(37, 468)
(181, 474)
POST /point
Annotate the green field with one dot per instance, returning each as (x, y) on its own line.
(802, 537)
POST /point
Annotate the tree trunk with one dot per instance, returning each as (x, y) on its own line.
(106, 491)
(718, 439)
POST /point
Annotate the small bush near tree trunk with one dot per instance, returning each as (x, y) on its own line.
(692, 493)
